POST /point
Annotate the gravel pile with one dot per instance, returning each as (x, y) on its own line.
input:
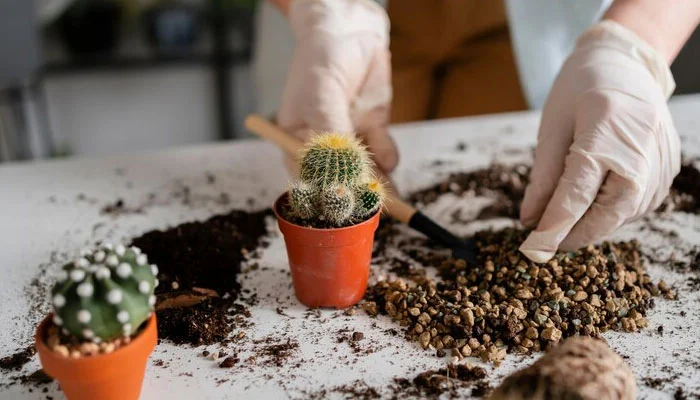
(507, 303)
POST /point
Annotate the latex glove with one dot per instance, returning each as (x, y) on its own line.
(607, 150)
(340, 75)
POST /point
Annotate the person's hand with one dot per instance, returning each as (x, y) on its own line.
(607, 149)
(340, 75)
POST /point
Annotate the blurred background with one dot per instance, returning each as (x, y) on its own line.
(96, 77)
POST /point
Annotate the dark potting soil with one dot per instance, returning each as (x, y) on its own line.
(444, 381)
(203, 255)
(16, 361)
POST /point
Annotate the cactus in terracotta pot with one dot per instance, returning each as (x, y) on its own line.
(104, 295)
(336, 186)
(102, 329)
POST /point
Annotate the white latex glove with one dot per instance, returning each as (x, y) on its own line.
(607, 149)
(340, 74)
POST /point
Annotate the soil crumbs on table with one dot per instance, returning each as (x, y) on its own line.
(16, 361)
(199, 263)
(451, 381)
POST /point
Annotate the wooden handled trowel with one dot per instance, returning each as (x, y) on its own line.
(395, 206)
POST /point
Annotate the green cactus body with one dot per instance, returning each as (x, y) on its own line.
(335, 188)
(370, 197)
(105, 295)
(302, 200)
(337, 204)
(333, 159)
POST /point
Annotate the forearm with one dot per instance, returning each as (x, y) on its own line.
(283, 5)
(666, 25)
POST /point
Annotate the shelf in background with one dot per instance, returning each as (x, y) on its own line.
(135, 62)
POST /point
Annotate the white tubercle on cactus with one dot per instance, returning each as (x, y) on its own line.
(112, 260)
(108, 246)
(141, 259)
(120, 250)
(154, 269)
(151, 300)
(114, 296)
(127, 329)
(85, 289)
(156, 282)
(124, 270)
(99, 256)
(57, 320)
(59, 301)
(136, 250)
(102, 273)
(123, 316)
(144, 287)
(82, 263)
(88, 334)
(77, 275)
(84, 316)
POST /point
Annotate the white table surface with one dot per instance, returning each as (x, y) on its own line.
(40, 213)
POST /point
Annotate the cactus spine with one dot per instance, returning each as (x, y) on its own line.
(105, 294)
(336, 186)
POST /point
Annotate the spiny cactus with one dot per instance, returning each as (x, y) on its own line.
(370, 197)
(337, 204)
(302, 199)
(334, 159)
(336, 185)
(104, 295)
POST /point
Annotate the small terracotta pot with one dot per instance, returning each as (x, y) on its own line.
(114, 376)
(329, 267)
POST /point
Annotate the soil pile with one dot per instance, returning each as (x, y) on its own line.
(198, 263)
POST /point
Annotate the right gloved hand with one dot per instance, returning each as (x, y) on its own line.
(340, 75)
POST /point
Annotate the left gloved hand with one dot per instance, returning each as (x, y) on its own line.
(607, 149)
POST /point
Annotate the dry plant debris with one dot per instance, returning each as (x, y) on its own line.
(580, 368)
(507, 303)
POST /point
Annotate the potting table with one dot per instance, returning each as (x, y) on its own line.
(50, 210)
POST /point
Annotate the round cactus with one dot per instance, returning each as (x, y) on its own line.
(106, 294)
(302, 200)
(332, 159)
(337, 204)
(370, 198)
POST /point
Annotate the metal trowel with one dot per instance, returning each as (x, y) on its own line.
(395, 206)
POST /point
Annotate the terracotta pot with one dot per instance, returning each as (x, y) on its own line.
(114, 376)
(329, 267)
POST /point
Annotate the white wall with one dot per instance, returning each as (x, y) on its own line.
(111, 112)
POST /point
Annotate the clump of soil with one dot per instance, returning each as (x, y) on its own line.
(504, 183)
(200, 261)
(444, 381)
(507, 303)
(685, 191)
(16, 361)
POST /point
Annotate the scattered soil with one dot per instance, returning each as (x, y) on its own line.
(16, 361)
(504, 183)
(272, 352)
(445, 381)
(355, 390)
(204, 260)
(507, 303)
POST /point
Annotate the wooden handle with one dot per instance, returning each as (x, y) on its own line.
(265, 129)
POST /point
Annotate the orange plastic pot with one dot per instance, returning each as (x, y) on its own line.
(114, 376)
(329, 267)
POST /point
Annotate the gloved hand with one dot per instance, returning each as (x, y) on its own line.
(607, 150)
(340, 75)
